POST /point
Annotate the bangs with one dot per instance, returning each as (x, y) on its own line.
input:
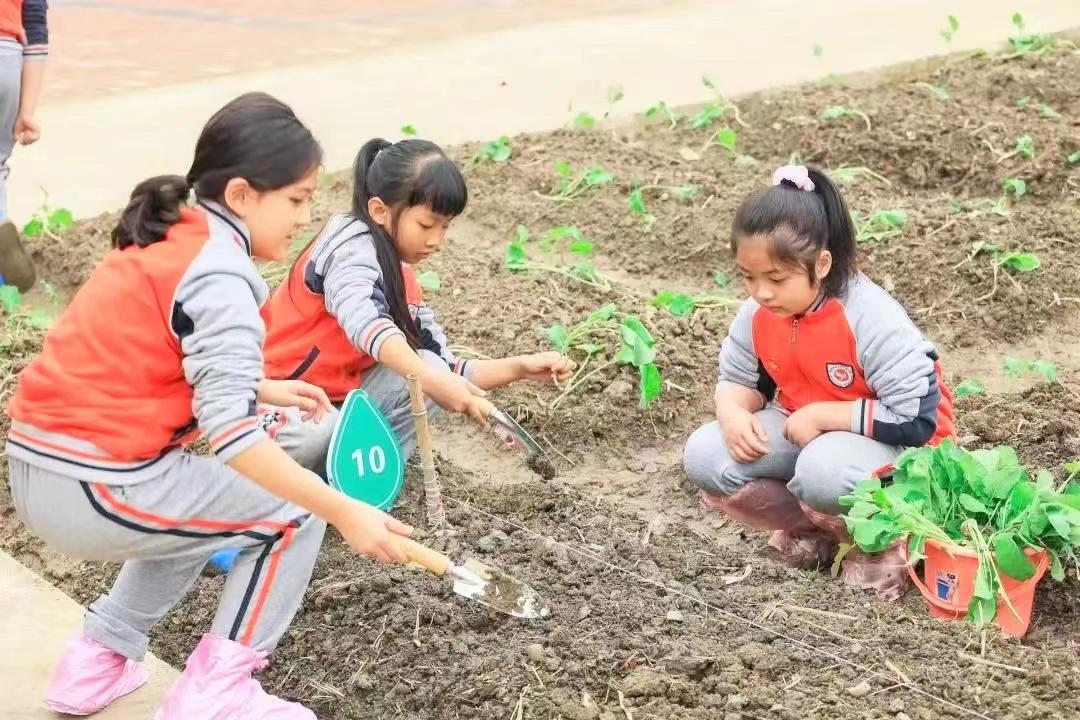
(441, 186)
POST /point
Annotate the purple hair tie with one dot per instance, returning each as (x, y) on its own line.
(795, 175)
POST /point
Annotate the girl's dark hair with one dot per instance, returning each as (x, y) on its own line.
(403, 174)
(801, 225)
(255, 137)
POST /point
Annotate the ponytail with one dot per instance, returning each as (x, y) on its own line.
(153, 208)
(404, 174)
(803, 213)
(254, 137)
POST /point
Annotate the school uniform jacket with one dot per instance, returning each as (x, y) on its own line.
(160, 344)
(329, 320)
(861, 347)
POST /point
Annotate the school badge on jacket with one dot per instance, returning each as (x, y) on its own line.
(840, 374)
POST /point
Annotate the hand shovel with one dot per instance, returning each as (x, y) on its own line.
(477, 581)
(515, 437)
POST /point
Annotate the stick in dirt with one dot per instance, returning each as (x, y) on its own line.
(436, 515)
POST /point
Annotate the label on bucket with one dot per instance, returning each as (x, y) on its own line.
(946, 585)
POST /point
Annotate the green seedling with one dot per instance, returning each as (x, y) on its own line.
(939, 91)
(881, 225)
(636, 199)
(1012, 189)
(949, 31)
(983, 501)
(496, 151)
(1015, 368)
(830, 80)
(661, 107)
(848, 174)
(836, 112)
(681, 304)
(584, 120)
(818, 51)
(969, 387)
(721, 280)
(430, 281)
(614, 95)
(408, 131)
(1019, 261)
(595, 337)
(1044, 109)
(569, 186)
(1074, 158)
(727, 139)
(49, 222)
(1031, 43)
(557, 242)
(715, 110)
(19, 318)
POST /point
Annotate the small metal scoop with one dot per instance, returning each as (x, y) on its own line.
(478, 582)
(517, 438)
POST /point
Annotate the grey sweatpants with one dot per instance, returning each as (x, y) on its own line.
(818, 474)
(308, 442)
(11, 62)
(164, 529)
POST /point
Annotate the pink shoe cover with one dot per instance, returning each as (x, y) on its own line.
(89, 676)
(217, 685)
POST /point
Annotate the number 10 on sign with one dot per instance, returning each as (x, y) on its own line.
(364, 460)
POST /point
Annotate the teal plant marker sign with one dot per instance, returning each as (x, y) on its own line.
(364, 460)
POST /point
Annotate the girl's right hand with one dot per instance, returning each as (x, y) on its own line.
(456, 394)
(369, 531)
(743, 434)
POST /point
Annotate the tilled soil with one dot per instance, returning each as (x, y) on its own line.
(658, 609)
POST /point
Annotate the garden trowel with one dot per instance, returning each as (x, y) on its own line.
(477, 581)
(518, 439)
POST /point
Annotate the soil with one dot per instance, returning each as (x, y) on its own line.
(659, 609)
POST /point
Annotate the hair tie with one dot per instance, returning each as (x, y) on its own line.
(795, 175)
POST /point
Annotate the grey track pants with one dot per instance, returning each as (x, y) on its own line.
(308, 442)
(818, 474)
(164, 529)
(11, 62)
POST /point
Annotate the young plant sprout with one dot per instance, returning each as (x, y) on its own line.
(970, 386)
(661, 107)
(557, 241)
(949, 31)
(881, 225)
(938, 91)
(715, 110)
(496, 151)
(569, 186)
(836, 112)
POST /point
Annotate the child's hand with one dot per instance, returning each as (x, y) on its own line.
(27, 130)
(804, 425)
(744, 436)
(369, 531)
(311, 399)
(456, 394)
(548, 366)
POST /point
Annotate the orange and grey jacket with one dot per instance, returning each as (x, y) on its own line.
(328, 321)
(861, 347)
(161, 342)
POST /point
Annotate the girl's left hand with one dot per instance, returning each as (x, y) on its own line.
(548, 366)
(804, 425)
(311, 399)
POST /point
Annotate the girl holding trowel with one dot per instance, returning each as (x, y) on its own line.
(351, 312)
(162, 342)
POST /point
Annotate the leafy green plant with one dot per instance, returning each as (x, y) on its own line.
(18, 317)
(1025, 43)
(880, 225)
(848, 174)
(614, 94)
(636, 199)
(1015, 368)
(584, 120)
(939, 91)
(1018, 260)
(569, 185)
(557, 241)
(1012, 189)
(836, 112)
(949, 31)
(818, 50)
(429, 280)
(970, 386)
(613, 338)
(1074, 158)
(408, 131)
(49, 222)
(713, 111)
(661, 107)
(681, 304)
(1044, 109)
(1025, 148)
(983, 501)
(496, 151)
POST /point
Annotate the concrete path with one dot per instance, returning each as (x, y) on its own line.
(480, 85)
(36, 620)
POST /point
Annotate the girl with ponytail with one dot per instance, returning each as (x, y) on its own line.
(164, 342)
(351, 312)
(823, 381)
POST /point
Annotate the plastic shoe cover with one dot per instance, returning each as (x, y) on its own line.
(832, 523)
(885, 572)
(217, 685)
(89, 676)
(807, 550)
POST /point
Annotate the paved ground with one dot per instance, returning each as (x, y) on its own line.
(130, 84)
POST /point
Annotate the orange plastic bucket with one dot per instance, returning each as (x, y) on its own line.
(950, 582)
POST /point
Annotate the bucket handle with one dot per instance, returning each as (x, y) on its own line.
(956, 609)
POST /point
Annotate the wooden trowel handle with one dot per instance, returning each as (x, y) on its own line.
(422, 555)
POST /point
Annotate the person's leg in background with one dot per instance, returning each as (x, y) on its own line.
(15, 265)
